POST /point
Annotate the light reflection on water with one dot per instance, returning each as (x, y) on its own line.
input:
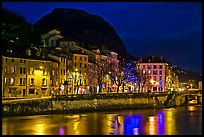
(172, 121)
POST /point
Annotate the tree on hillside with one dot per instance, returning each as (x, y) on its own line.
(17, 34)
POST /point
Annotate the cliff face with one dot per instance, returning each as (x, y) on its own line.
(92, 30)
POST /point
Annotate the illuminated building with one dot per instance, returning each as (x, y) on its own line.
(158, 74)
(25, 75)
(154, 71)
(79, 66)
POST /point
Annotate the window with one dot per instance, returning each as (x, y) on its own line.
(44, 72)
(80, 58)
(85, 58)
(143, 72)
(64, 71)
(5, 69)
(22, 70)
(12, 60)
(149, 72)
(53, 72)
(31, 70)
(160, 72)
(6, 80)
(12, 69)
(21, 61)
(61, 71)
(143, 66)
(160, 66)
(75, 58)
(75, 64)
(31, 91)
(84, 65)
(22, 81)
(12, 81)
(32, 81)
(155, 66)
(155, 78)
(44, 82)
(160, 77)
(155, 72)
(6, 59)
(149, 66)
(80, 65)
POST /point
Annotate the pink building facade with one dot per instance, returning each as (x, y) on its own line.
(155, 75)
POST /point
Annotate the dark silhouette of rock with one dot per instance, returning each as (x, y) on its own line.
(91, 30)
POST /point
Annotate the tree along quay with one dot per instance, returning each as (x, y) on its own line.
(89, 103)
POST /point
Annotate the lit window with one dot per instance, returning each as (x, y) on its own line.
(143, 72)
(12, 69)
(31, 70)
(6, 80)
(53, 72)
(12, 81)
(149, 71)
(5, 69)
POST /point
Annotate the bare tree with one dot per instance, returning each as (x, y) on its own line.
(124, 74)
(103, 66)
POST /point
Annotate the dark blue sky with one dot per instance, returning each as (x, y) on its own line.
(169, 29)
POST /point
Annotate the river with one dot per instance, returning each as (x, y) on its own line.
(169, 121)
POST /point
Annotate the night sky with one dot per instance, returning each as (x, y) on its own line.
(169, 29)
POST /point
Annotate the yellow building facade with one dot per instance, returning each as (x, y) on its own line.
(25, 76)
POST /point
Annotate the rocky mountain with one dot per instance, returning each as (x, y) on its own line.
(92, 30)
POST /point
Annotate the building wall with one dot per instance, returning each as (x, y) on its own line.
(79, 73)
(16, 75)
(157, 75)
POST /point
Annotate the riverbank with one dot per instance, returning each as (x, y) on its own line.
(77, 111)
(70, 106)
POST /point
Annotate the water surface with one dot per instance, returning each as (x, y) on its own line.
(171, 121)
